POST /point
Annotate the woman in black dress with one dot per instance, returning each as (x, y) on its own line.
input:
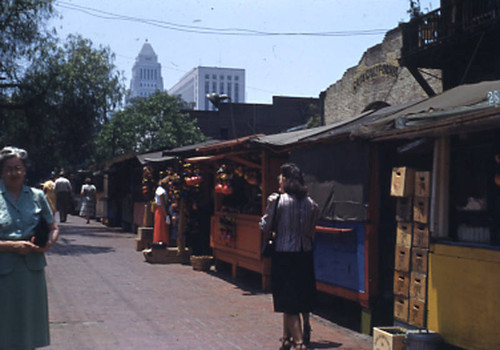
(292, 272)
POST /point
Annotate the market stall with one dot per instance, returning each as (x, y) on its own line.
(242, 180)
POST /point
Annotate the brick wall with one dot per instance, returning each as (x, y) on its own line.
(377, 77)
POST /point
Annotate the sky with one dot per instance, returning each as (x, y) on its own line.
(287, 47)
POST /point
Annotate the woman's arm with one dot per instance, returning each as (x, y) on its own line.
(266, 220)
(18, 247)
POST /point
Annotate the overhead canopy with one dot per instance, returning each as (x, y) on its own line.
(343, 127)
(454, 110)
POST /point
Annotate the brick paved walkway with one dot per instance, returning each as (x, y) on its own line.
(103, 295)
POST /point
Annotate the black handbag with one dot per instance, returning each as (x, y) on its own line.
(268, 247)
(42, 233)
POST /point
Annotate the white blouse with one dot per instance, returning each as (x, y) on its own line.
(296, 222)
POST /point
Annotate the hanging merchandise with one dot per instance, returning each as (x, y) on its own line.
(227, 230)
(252, 177)
(148, 183)
(223, 184)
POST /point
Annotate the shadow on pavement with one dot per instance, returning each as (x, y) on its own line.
(324, 345)
(248, 282)
(65, 247)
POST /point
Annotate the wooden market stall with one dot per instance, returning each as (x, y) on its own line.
(450, 279)
(242, 179)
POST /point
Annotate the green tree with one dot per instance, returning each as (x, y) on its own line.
(315, 117)
(147, 124)
(22, 33)
(67, 95)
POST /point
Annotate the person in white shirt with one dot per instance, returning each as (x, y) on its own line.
(63, 196)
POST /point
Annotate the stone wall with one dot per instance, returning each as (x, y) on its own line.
(377, 78)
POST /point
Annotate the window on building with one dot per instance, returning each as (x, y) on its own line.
(221, 77)
(214, 76)
(236, 92)
(207, 76)
(236, 78)
(230, 89)
(475, 188)
(214, 86)
(221, 88)
(229, 77)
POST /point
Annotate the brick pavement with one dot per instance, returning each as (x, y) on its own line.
(103, 295)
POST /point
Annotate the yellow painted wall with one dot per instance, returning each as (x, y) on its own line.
(464, 296)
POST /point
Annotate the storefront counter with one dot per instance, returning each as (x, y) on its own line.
(236, 239)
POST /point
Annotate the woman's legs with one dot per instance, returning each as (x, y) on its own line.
(306, 336)
(292, 327)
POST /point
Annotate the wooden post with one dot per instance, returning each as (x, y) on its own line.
(181, 231)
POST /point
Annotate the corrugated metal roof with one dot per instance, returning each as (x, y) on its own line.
(327, 131)
(455, 103)
(189, 148)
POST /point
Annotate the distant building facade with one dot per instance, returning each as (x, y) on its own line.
(249, 119)
(146, 73)
(200, 81)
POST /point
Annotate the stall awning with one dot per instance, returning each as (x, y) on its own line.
(343, 127)
(452, 111)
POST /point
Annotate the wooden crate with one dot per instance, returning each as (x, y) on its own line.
(416, 313)
(418, 286)
(401, 308)
(421, 210)
(402, 182)
(402, 258)
(419, 260)
(422, 184)
(404, 234)
(404, 209)
(420, 235)
(389, 338)
(401, 283)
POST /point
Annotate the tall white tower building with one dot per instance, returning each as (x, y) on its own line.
(146, 73)
(200, 81)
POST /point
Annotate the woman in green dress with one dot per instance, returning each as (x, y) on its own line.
(24, 318)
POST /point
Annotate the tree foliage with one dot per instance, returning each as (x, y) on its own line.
(22, 33)
(147, 124)
(67, 94)
(315, 118)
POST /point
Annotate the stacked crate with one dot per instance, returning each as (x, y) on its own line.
(412, 189)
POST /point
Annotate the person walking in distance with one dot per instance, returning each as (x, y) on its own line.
(63, 193)
(50, 192)
(292, 269)
(88, 192)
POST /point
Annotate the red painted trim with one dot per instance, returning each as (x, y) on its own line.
(333, 230)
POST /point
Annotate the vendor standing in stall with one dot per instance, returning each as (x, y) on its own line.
(292, 270)
(162, 218)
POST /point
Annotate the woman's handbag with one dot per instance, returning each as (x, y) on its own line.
(268, 247)
(42, 233)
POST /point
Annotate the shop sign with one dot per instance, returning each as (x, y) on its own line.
(493, 97)
(377, 71)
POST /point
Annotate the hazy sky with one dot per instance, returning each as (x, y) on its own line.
(190, 33)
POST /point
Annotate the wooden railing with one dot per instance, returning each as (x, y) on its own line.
(437, 26)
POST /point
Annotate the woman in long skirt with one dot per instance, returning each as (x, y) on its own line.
(24, 317)
(160, 233)
(292, 270)
(88, 200)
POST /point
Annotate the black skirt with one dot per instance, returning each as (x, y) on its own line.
(293, 282)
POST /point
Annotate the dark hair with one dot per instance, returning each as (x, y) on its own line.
(87, 181)
(294, 183)
(13, 152)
